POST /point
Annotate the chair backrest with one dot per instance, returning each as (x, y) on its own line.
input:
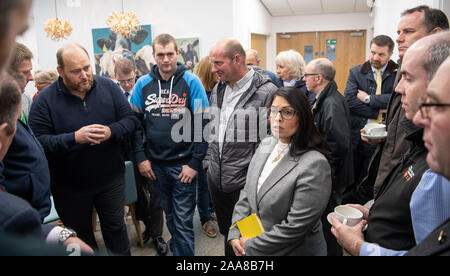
(130, 183)
(53, 216)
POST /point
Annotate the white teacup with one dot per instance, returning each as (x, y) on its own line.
(375, 129)
(348, 215)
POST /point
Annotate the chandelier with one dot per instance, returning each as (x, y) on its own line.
(57, 29)
(123, 23)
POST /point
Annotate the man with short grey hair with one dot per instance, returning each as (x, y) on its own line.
(332, 118)
(241, 89)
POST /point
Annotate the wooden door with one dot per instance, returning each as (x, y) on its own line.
(345, 48)
(259, 43)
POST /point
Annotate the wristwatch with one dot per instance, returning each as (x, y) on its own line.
(65, 234)
(367, 99)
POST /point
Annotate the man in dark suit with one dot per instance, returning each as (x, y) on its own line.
(369, 87)
(24, 171)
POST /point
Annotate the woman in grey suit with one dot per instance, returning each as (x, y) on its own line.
(288, 184)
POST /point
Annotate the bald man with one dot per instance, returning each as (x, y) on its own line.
(80, 121)
(433, 117)
(241, 90)
(252, 59)
(332, 117)
(407, 190)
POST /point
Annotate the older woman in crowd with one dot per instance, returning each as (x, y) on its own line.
(291, 70)
(288, 184)
(43, 78)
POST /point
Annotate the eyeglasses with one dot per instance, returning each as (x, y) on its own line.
(286, 113)
(307, 75)
(126, 81)
(425, 107)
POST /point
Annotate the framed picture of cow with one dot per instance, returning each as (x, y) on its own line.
(189, 52)
(110, 47)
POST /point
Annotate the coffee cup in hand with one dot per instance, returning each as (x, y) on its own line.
(375, 129)
(348, 215)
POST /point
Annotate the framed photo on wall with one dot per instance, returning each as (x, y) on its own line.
(110, 47)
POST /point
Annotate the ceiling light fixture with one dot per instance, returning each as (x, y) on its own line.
(57, 29)
(123, 23)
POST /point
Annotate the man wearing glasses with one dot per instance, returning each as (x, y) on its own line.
(402, 216)
(332, 118)
(125, 75)
(433, 117)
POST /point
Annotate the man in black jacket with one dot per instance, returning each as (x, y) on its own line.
(366, 99)
(332, 118)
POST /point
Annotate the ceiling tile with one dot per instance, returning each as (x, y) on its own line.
(302, 7)
(341, 6)
(306, 7)
(278, 7)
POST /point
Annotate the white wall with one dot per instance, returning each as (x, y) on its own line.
(249, 17)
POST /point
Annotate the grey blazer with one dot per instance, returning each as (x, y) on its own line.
(289, 203)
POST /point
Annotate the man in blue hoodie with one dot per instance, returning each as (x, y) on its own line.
(80, 120)
(168, 98)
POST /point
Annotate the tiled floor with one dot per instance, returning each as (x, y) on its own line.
(204, 246)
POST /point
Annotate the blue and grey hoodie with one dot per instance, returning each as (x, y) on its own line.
(168, 108)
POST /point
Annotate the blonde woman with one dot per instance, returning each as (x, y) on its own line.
(204, 72)
(291, 70)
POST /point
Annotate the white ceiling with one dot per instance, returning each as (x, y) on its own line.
(307, 7)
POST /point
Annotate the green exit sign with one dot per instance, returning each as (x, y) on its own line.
(331, 41)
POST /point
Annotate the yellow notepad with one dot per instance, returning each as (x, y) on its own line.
(250, 226)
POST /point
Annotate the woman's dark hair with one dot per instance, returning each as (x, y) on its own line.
(307, 137)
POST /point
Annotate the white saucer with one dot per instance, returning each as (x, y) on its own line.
(375, 137)
(329, 220)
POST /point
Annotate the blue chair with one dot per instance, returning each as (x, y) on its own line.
(53, 216)
(131, 198)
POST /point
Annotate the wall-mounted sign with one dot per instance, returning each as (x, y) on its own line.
(331, 41)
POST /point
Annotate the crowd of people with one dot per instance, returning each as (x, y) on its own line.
(231, 140)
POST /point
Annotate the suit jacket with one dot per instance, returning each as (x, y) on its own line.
(25, 172)
(361, 77)
(435, 244)
(18, 217)
(289, 203)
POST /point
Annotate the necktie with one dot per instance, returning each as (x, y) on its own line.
(126, 94)
(379, 80)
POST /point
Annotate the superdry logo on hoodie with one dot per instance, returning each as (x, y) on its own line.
(168, 104)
